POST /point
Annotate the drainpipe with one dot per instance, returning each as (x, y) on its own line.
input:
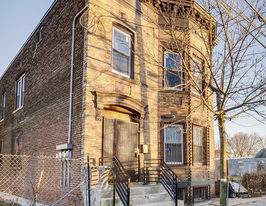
(68, 146)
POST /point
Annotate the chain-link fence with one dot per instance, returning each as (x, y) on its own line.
(40, 180)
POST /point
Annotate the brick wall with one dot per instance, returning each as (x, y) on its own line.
(43, 119)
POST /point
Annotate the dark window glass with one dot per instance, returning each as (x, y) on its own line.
(173, 75)
(20, 88)
(3, 105)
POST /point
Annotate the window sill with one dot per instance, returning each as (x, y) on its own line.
(131, 81)
(17, 110)
(172, 91)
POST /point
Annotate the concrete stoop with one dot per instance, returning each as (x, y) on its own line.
(140, 195)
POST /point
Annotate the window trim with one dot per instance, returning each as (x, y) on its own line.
(130, 56)
(202, 146)
(166, 125)
(3, 105)
(20, 102)
(40, 35)
(164, 71)
(203, 189)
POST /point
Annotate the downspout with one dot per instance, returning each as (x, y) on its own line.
(69, 146)
(71, 72)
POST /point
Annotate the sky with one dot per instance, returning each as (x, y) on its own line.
(18, 18)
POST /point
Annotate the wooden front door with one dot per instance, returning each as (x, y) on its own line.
(120, 139)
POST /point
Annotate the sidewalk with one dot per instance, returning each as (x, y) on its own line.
(253, 201)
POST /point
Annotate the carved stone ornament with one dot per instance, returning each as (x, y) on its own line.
(99, 114)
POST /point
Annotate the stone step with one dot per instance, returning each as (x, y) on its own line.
(135, 190)
(140, 199)
(140, 195)
(146, 189)
(169, 203)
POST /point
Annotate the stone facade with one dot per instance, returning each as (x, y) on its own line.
(99, 91)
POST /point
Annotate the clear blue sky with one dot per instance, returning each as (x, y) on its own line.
(18, 18)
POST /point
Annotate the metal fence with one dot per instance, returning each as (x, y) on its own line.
(40, 180)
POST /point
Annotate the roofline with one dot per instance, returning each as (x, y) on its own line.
(47, 12)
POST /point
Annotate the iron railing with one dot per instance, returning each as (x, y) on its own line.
(156, 170)
(121, 181)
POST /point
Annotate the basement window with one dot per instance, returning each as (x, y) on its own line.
(200, 194)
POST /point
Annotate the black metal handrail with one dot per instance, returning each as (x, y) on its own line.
(121, 180)
(156, 170)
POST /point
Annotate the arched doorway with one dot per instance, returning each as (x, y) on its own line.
(122, 117)
(121, 139)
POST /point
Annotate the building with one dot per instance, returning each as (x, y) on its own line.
(121, 101)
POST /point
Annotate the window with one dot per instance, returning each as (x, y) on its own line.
(173, 144)
(197, 73)
(20, 86)
(3, 105)
(1, 146)
(173, 75)
(200, 193)
(17, 144)
(122, 52)
(197, 145)
(40, 35)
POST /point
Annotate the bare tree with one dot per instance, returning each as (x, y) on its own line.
(233, 72)
(244, 144)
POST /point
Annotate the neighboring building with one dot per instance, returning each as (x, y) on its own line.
(117, 106)
(242, 165)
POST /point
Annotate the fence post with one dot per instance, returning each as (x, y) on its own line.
(89, 179)
(144, 171)
(128, 191)
(114, 187)
(176, 190)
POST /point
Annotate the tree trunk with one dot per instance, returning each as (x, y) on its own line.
(223, 170)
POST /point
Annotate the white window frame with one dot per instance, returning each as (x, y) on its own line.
(129, 35)
(200, 140)
(19, 91)
(180, 128)
(3, 105)
(177, 69)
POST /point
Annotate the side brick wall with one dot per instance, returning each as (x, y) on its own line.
(43, 119)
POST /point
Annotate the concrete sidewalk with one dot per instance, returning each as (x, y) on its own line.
(252, 201)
